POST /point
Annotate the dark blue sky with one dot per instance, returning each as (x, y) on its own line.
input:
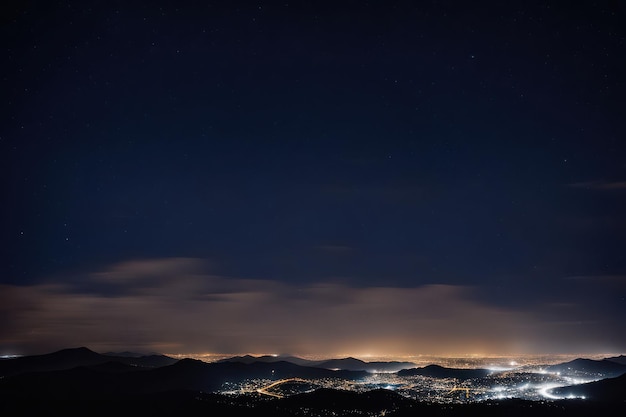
(398, 145)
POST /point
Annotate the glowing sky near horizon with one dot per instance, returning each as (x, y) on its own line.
(177, 305)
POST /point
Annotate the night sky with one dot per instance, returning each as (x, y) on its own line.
(397, 177)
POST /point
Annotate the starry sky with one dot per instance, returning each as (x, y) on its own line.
(397, 177)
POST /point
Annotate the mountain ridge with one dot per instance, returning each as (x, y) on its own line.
(348, 363)
(604, 367)
(75, 357)
(186, 374)
(605, 390)
(438, 371)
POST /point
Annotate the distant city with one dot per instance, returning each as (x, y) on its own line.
(440, 379)
(69, 380)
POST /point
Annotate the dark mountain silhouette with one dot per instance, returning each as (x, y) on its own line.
(436, 371)
(150, 361)
(618, 359)
(187, 374)
(63, 359)
(345, 363)
(248, 359)
(607, 390)
(602, 368)
(192, 374)
(354, 364)
(184, 388)
(71, 358)
(349, 364)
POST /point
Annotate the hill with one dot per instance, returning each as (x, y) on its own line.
(354, 364)
(248, 359)
(71, 358)
(349, 364)
(606, 390)
(436, 371)
(197, 375)
(187, 374)
(600, 368)
(618, 359)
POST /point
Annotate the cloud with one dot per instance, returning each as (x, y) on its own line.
(176, 305)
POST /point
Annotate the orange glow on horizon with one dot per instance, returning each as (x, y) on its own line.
(460, 360)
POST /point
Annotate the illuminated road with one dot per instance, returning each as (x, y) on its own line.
(266, 390)
(466, 389)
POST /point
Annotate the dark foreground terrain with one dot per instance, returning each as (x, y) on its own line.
(318, 403)
(79, 382)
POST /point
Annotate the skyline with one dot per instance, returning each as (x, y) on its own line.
(385, 178)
